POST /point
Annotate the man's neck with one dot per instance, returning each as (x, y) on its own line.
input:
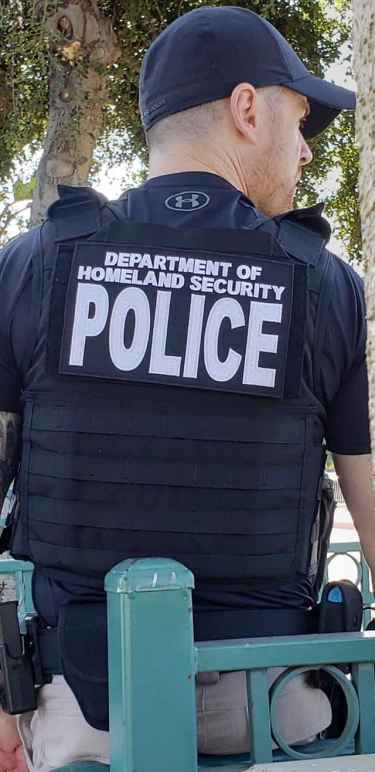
(171, 165)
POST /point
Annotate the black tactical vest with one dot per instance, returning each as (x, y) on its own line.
(167, 411)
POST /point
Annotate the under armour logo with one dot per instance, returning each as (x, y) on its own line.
(187, 201)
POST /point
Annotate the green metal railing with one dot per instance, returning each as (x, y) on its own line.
(153, 662)
(22, 572)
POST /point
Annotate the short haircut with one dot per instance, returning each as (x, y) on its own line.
(188, 125)
(198, 122)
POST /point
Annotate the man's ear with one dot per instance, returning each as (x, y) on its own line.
(244, 106)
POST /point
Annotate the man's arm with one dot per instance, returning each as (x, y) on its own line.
(10, 425)
(12, 268)
(11, 749)
(356, 481)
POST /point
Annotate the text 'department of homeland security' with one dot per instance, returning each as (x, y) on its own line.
(216, 322)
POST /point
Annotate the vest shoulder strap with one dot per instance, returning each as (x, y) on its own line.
(76, 213)
(303, 233)
(325, 276)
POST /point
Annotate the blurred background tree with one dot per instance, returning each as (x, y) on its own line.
(68, 95)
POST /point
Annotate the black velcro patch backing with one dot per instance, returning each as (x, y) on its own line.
(195, 318)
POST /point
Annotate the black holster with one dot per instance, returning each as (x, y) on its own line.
(20, 662)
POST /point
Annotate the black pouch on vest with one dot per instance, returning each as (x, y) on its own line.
(340, 611)
(82, 630)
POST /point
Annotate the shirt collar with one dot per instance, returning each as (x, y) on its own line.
(206, 179)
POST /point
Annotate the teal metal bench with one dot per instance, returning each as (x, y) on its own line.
(22, 571)
(153, 662)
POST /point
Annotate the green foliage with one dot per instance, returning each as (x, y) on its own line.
(24, 67)
(317, 29)
(23, 190)
(343, 205)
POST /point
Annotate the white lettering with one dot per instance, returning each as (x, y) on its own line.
(225, 268)
(220, 286)
(278, 291)
(247, 289)
(207, 284)
(186, 264)
(90, 316)
(160, 263)
(193, 343)
(258, 341)
(178, 280)
(123, 357)
(150, 278)
(243, 272)
(265, 290)
(123, 260)
(113, 274)
(249, 271)
(212, 268)
(218, 370)
(200, 267)
(84, 272)
(126, 275)
(98, 274)
(195, 283)
(134, 259)
(146, 262)
(110, 258)
(160, 362)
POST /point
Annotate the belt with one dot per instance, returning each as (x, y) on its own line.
(253, 623)
(209, 625)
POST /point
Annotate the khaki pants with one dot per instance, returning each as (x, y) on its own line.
(57, 733)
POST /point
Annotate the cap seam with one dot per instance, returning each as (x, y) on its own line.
(277, 46)
(212, 38)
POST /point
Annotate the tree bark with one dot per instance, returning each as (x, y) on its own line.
(83, 46)
(364, 67)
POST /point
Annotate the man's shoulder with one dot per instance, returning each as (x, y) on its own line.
(17, 253)
(346, 274)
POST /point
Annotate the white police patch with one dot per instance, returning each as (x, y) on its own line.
(186, 318)
(187, 201)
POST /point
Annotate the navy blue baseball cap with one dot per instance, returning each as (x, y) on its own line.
(204, 54)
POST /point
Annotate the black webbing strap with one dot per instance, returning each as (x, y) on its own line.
(253, 623)
(322, 317)
(50, 651)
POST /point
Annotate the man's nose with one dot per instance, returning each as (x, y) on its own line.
(306, 153)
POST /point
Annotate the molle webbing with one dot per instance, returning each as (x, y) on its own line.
(166, 484)
(225, 482)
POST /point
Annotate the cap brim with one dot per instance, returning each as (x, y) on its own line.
(326, 102)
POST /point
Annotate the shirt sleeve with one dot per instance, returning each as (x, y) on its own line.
(344, 365)
(15, 306)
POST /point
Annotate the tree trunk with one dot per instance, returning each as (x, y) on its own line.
(364, 66)
(83, 46)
